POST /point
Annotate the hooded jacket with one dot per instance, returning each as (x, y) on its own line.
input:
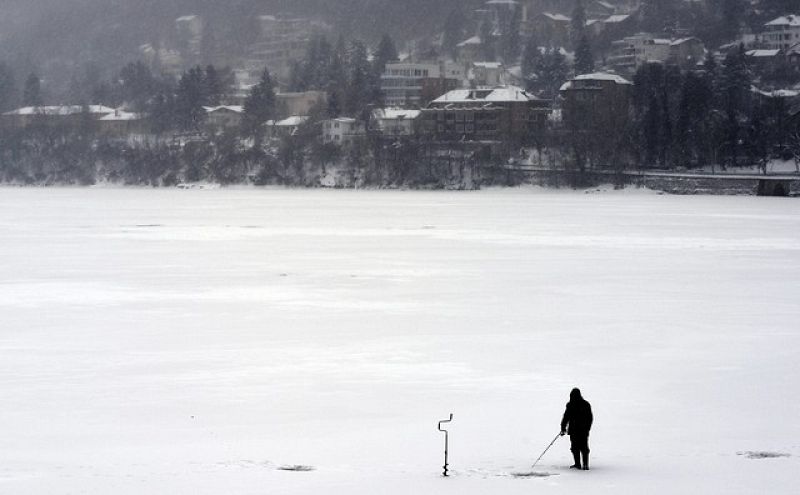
(578, 415)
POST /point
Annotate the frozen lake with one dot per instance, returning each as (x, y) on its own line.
(171, 341)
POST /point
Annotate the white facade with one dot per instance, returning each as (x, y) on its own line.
(402, 83)
(395, 121)
(341, 130)
(782, 33)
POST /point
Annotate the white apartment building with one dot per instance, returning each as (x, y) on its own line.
(341, 130)
(406, 84)
(782, 33)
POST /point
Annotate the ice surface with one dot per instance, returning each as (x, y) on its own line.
(205, 341)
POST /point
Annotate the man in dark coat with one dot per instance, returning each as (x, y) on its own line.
(577, 421)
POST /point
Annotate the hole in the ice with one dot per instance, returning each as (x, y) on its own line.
(532, 475)
(758, 454)
(296, 467)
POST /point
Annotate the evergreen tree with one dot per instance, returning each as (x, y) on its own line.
(190, 98)
(259, 106)
(530, 61)
(138, 86)
(162, 112)
(32, 93)
(734, 88)
(552, 71)
(359, 88)
(584, 60)
(385, 53)
(213, 86)
(691, 128)
(577, 27)
(8, 88)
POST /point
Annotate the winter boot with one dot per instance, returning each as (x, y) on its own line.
(585, 460)
(577, 457)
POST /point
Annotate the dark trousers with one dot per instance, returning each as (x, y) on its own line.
(580, 448)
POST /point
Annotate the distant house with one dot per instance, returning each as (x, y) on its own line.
(487, 73)
(286, 127)
(395, 121)
(764, 59)
(598, 9)
(782, 33)
(596, 102)
(224, 116)
(505, 113)
(342, 130)
(686, 52)
(122, 124)
(551, 27)
(68, 115)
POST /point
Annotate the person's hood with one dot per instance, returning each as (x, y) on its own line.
(575, 395)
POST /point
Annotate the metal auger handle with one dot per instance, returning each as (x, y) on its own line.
(445, 441)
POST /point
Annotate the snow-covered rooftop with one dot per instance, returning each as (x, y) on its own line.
(226, 108)
(682, 41)
(778, 93)
(762, 53)
(786, 20)
(397, 114)
(602, 76)
(475, 40)
(497, 95)
(556, 17)
(488, 65)
(121, 116)
(62, 110)
(292, 121)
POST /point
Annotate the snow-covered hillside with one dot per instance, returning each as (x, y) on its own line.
(168, 341)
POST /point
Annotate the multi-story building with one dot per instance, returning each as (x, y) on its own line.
(506, 113)
(782, 33)
(633, 51)
(342, 130)
(596, 102)
(413, 84)
(282, 40)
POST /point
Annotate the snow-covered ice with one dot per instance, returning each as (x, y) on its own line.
(251, 341)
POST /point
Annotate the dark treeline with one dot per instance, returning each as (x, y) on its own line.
(688, 119)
